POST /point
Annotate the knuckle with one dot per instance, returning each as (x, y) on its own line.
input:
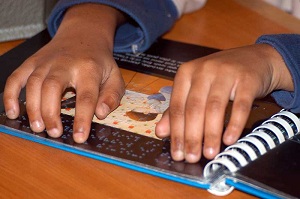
(112, 98)
(199, 68)
(52, 82)
(194, 104)
(82, 64)
(32, 61)
(210, 64)
(49, 115)
(12, 78)
(189, 66)
(243, 106)
(90, 70)
(31, 110)
(212, 138)
(177, 143)
(183, 67)
(176, 111)
(235, 127)
(215, 104)
(191, 144)
(115, 97)
(184, 70)
(80, 121)
(34, 79)
(86, 97)
(88, 64)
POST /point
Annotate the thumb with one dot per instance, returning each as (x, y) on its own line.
(110, 95)
(162, 128)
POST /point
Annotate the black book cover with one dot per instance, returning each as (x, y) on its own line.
(277, 172)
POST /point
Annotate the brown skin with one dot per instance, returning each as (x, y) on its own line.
(202, 90)
(79, 56)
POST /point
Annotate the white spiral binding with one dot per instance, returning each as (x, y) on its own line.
(245, 147)
(291, 116)
(264, 136)
(236, 155)
(261, 148)
(274, 125)
(284, 124)
(273, 129)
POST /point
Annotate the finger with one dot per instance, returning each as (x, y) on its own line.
(14, 83)
(179, 95)
(194, 119)
(86, 101)
(217, 101)
(33, 98)
(111, 94)
(51, 91)
(244, 97)
(162, 128)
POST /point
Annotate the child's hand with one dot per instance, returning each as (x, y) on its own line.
(202, 89)
(79, 56)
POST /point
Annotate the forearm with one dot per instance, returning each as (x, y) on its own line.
(90, 23)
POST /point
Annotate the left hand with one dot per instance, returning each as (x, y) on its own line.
(79, 56)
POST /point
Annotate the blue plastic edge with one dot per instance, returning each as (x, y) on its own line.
(250, 190)
(128, 165)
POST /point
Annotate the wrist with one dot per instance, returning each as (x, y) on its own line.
(281, 77)
(91, 22)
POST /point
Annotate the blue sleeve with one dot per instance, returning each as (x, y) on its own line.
(288, 45)
(150, 19)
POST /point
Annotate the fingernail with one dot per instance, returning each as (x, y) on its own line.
(209, 152)
(229, 139)
(54, 132)
(178, 155)
(11, 113)
(79, 136)
(104, 110)
(190, 157)
(36, 125)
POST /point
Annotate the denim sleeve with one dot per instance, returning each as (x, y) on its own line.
(288, 45)
(150, 19)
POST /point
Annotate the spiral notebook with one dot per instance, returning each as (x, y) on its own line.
(264, 162)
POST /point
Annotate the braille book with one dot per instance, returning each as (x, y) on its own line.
(264, 162)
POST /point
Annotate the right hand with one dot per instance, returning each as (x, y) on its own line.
(202, 89)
